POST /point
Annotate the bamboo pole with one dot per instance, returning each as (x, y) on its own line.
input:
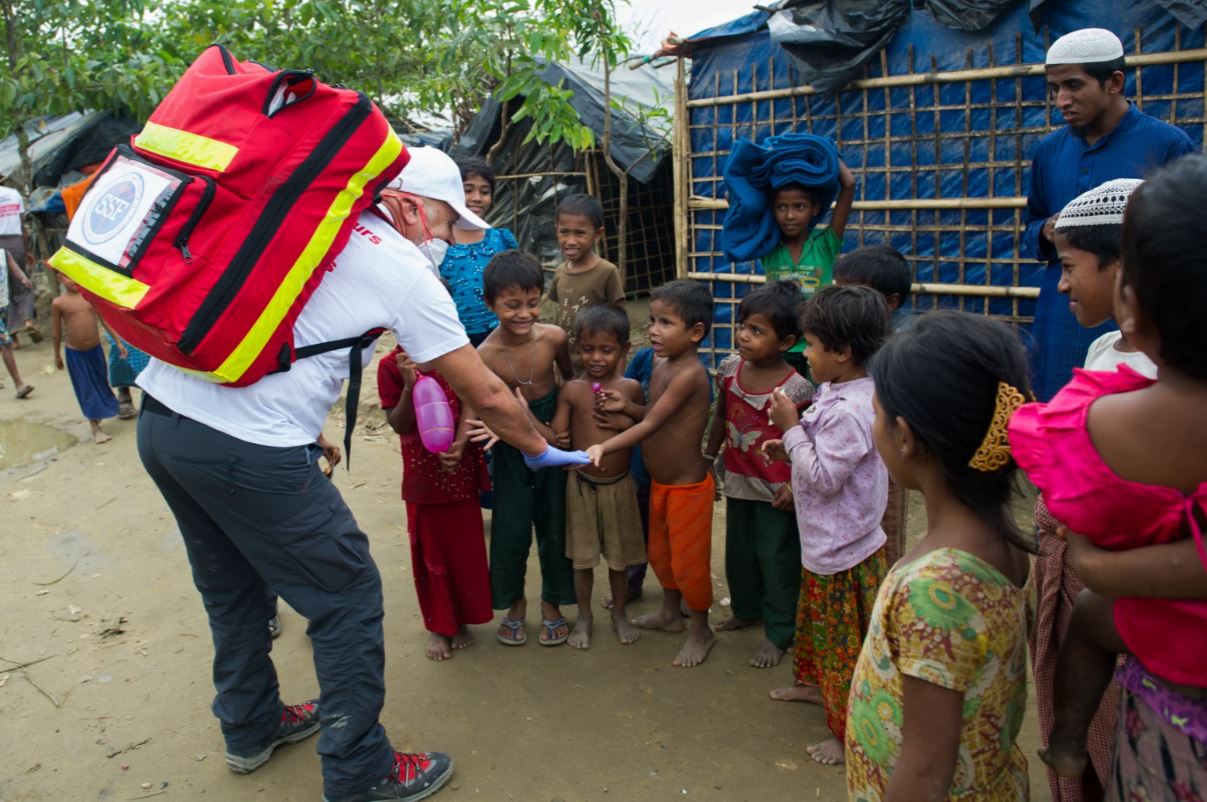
(935, 77)
(969, 290)
(681, 170)
(519, 176)
(899, 205)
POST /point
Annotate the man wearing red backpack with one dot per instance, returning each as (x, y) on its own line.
(237, 466)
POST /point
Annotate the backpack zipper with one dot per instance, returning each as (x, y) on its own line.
(207, 196)
(275, 211)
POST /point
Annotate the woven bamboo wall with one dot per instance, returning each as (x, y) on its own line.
(941, 160)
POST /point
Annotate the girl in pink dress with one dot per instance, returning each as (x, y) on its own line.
(1122, 461)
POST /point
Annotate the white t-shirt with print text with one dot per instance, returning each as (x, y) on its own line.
(379, 280)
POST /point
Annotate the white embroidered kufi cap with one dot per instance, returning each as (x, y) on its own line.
(1101, 206)
(1086, 46)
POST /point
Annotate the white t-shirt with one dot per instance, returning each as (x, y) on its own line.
(3, 278)
(1105, 357)
(11, 209)
(380, 280)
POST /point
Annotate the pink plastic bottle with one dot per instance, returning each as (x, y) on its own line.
(433, 415)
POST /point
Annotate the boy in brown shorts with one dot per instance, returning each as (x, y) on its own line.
(601, 502)
(671, 429)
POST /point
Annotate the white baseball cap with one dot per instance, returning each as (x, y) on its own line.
(431, 173)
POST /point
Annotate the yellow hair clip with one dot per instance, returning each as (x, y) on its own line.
(994, 452)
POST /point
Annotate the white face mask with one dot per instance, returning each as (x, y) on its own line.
(435, 251)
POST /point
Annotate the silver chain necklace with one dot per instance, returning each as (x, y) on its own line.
(531, 366)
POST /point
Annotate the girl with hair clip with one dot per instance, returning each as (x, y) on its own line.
(1122, 462)
(940, 687)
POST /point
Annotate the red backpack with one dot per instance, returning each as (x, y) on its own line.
(201, 241)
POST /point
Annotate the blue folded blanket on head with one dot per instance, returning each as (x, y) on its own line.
(753, 171)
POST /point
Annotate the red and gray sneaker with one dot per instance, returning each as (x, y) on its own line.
(413, 777)
(298, 722)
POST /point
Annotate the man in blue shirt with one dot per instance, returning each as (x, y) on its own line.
(1106, 137)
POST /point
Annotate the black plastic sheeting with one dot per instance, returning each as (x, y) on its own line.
(968, 15)
(832, 39)
(90, 145)
(640, 143)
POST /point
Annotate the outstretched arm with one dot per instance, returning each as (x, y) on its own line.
(490, 399)
(677, 393)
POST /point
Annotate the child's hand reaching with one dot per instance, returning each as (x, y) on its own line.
(774, 450)
(121, 350)
(610, 401)
(407, 368)
(596, 454)
(479, 432)
(783, 412)
(783, 500)
(561, 440)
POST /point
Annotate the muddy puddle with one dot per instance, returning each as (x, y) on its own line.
(23, 442)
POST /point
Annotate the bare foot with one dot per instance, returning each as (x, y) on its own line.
(99, 437)
(1064, 762)
(732, 623)
(463, 639)
(438, 647)
(798, 693)
(828, 753)
(626, 633)
(695, 650)
(660, 621)
(580, 638)
(767, 655)
(632, 595)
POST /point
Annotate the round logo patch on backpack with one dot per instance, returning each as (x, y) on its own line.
(110, 212)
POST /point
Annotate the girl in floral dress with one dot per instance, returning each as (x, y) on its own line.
(940, 687)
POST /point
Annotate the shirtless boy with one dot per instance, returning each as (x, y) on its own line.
(671, 429)
(601, 502)
(71, 314)
(530, 357)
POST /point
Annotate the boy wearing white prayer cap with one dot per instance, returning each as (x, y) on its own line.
(1105, 137)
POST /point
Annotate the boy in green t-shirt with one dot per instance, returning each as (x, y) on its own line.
(806, 254)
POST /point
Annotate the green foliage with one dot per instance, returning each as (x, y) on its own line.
(412, 56)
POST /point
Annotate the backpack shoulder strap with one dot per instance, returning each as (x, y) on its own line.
(355, 371)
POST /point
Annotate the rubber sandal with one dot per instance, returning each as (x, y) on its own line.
(34, 333)
(551, 625)
(25, 391)
(518, 637)
(126, 411)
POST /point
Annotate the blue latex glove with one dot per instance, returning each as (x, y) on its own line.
(556, 458)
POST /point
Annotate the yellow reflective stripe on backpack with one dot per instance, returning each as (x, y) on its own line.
(245, 353)
(186, 147)
(115, 288)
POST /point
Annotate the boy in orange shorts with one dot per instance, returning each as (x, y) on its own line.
(671, 429)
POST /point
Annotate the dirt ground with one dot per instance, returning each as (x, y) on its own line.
(96, 587)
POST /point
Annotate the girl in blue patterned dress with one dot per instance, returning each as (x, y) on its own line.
(468, 256)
